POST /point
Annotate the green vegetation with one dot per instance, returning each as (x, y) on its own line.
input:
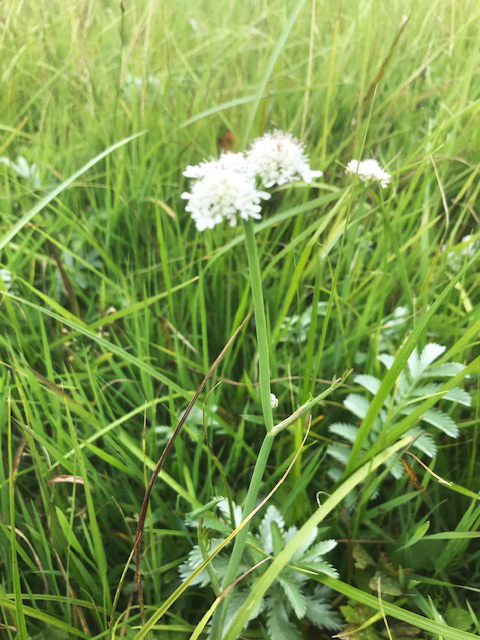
(113, 308)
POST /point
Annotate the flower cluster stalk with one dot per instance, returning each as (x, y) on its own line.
(264, 379)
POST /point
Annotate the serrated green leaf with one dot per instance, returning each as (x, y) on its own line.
(321, 614)
(273, 571)
(413, 363)
(294, 595)
(339, 453)
(448, 369)
(347, 431)
(235, 602)
(317, 550)
(278, 541)
(368, 382)
(442, 421)
(386, 359)
(321, 566)
(430, 353)
(279, 627)
(272, 514)
(306, 544)
(423, 442)
(458, 395)
(392, 374)
(357, 404)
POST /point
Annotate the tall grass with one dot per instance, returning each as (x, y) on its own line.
(117, 307)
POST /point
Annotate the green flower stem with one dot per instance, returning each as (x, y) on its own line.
(264, 377)
(261, 324)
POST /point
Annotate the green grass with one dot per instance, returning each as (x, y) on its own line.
(118, 307)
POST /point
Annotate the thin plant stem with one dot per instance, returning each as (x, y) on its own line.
(261, 324)
(264, 379)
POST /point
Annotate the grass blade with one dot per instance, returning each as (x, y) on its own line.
(61, 187)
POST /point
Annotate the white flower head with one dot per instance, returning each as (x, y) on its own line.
(279, 158)
(23, 170)
(232, 161)
(136, 82)
(368, 170)
(222, 191)
(6, 277)
(273, 401)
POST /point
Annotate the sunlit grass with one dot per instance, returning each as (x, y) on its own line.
(114, 307)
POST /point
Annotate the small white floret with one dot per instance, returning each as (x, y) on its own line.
(23, 170)
(231, 161)
(278, 158)
(273, 401)
(368, 170)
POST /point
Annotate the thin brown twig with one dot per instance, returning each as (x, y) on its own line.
(65, 279)
(18, 457)
(36, 558)
(235, 383)
(137, 549)
(77, 610)
(441, 480)
(381, 71)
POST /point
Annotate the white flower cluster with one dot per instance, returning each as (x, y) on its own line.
(227, 188)
(23, 170)
(368, 170)
(222, 191)
(137, 82)
(6, 278)
(273, 401)
(279, 158)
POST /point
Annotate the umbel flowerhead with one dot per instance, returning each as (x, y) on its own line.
(222, 193)
(279, 158)
(228, 188)
(368, 170)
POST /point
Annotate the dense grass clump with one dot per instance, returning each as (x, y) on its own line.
(113, 308)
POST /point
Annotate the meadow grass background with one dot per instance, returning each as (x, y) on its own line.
(118, 306)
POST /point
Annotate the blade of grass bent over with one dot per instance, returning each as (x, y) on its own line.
(61, 187)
